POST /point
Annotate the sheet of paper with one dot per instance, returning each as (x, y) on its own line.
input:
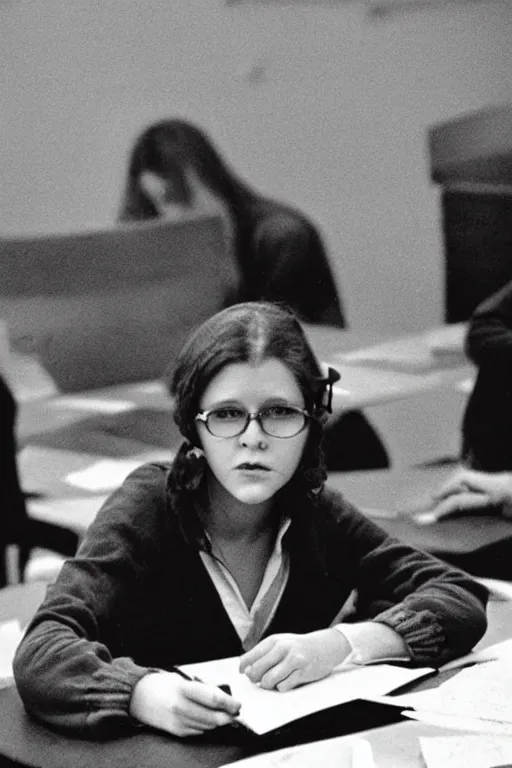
(342, 752)
(10, 636)
(456, 723)
(464, 751)
(477, 698)
(77, 512)
(264, 710)
(482, 691)
(93, 404)
(108, 474)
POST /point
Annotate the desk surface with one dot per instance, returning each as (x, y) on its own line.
(30, 744)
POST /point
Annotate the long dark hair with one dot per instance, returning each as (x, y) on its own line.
(169, 148)
(249, 332)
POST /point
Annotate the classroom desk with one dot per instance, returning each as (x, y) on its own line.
(25, 742)
(480, 544)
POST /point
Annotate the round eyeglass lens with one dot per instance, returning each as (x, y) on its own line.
(282, 421)
(226, 422)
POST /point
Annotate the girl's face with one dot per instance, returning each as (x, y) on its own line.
(252, 466)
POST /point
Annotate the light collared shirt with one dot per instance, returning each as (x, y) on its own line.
(251, 623)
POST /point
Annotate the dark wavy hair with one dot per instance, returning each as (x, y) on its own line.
(250, 332)
(169, 148)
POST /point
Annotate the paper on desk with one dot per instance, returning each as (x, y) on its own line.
(10, 637)
(264, 710)
(108, 474)
(341, 752)
(459, 723)
(93, 404)
(75, 512)
(478, 698)
(464, 751)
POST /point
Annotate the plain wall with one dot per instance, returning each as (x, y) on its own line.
(320, 103)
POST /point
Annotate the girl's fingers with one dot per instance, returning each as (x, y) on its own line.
(277, 676)
(213, 698)
(290, 682)
(259, 651)
(258, 668)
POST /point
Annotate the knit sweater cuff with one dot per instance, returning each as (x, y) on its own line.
(116, 681)
(421, 631)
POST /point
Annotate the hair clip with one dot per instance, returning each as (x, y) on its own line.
(327, 381)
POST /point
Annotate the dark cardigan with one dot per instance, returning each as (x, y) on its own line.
(138, 596)
(487, 425)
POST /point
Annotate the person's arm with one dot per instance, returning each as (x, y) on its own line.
(410, 605)
(65, 671)
(438, 610)
(489, 336)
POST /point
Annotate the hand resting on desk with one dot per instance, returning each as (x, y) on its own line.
(468, 491)
(286, 660)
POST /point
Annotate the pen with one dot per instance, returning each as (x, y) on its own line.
(192, 678)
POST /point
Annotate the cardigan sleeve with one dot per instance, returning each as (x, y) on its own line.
(65, 675)
(437, 609)
(489, 337)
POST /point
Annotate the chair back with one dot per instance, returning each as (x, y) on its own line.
(113, 306)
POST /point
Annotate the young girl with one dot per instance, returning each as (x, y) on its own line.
(236, 548)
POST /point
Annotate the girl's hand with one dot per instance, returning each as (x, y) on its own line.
(285, 661)
(181, 707)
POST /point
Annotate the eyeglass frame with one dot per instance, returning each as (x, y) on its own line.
(202, 416)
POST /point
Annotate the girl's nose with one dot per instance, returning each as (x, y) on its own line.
(253, 436)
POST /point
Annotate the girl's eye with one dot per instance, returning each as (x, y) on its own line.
(228, 414)
(280, 412)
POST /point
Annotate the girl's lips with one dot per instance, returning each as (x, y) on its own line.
(253, 467)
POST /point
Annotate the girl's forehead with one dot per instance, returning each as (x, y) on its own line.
(256, 382)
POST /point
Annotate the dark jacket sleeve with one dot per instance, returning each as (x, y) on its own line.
(487, 423)
(437, 609)
(65, 675)
(489, 338)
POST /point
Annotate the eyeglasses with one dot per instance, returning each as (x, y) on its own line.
(275, 420)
